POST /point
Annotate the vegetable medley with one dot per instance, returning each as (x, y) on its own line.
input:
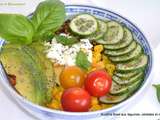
(78, 65)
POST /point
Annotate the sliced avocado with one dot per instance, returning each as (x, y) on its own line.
(29, 66)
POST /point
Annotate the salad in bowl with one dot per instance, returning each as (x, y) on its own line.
(69, 60)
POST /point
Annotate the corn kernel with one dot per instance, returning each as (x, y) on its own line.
(55, 105)
(110, 68)
(54, 91)
(99, 65)
(96, 107)
(91, 69)
(96, 57)
(104, 106)
(98, 48)
(94, 101)
(58, 95)
(106, 60)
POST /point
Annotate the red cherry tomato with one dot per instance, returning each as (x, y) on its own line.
(76, 100)
(98, 83)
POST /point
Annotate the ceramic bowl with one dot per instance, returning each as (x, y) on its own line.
(48, 114)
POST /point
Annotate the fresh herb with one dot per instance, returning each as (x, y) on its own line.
(157, 91)
(82, 60)
(16, 28)
(66, 40)
(48, 17)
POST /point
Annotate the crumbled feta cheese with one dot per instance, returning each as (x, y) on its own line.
(65, 55)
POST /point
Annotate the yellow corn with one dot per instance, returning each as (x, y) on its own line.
(96, 57)
(58, 96)
(110, 68)
(95, 107)
(104, 106)
(55, 105)
(106, 60)
(56, 90)
(99, 65)
(94, 101)
(98, 48)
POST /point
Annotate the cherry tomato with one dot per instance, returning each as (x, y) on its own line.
(72, 76)
(98, 83)
(76, 100)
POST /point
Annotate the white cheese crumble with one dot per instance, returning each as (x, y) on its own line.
(65, 55)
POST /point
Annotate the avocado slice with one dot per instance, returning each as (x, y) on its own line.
(34, 73)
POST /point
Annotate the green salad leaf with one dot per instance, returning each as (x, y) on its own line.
(65, 40)
(48, 17)
(16, 28)
(82, 60)
(157, 91)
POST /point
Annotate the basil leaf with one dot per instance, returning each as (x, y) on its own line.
(48, 17)
(16, 28)
(82, 60)
(65, 40)
(157, 91)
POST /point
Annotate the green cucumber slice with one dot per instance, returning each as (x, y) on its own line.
(113, 99)
(101, 41)
(126, 75)
(114, 33)
(122, 51)
(84, 24)
(127, 81)
(127, 57)
(136, 64)
(117, 98)
(127, 39)
(118, 89)
(102, 28)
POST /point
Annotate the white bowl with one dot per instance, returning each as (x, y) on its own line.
(48, 114)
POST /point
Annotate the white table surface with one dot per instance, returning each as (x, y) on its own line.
(144, 13)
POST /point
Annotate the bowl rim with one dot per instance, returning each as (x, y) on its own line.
(44, 109)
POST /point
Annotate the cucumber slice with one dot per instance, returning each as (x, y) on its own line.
(101, 41)
(102, 28)
(113, 99)
(114, 33)
(126, 75)
(134, 87)
(122, 51)
(136, 64)
(117, 98)
(127, 57)
(127, 39)
(118, 89)
(127, 81)
(84, 24)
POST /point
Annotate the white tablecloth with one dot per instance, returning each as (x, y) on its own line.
(144, 13)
